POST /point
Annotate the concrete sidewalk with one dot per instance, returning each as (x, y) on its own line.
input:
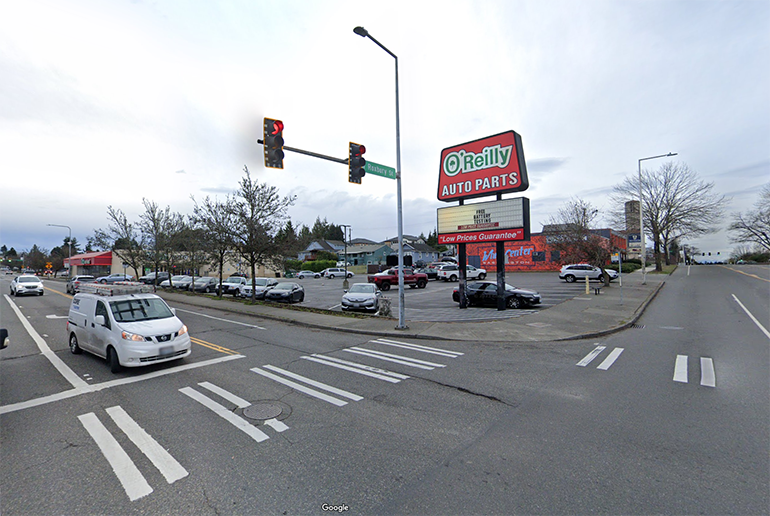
(583, 316)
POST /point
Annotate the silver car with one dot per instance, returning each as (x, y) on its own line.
(262, 286)
(576, 271)
(362, 296)
(27, 284)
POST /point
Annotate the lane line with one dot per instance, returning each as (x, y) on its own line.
(589, 357)
(220, 319)
(409, 359)
(134, 484)
(276, 425)
(361, 366)
(215, 347)
(764, 330)
(52, 357)
(708, 377)
(745, 273)
(680, 369)
(610, 359)
(166, 464)
(301, 388)
(402, 362)
(235, 420)
(229, 396)
(353, 369)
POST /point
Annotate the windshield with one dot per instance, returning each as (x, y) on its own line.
(132, 310)
(361, 289)
(260, 282)
(22, 279)
(284, 286)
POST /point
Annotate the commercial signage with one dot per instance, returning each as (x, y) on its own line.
(493, 221)
(489, 166)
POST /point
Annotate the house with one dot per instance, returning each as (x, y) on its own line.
(372, 254)
(314, 247)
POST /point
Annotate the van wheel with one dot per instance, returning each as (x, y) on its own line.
(112, 360)
(74, 347)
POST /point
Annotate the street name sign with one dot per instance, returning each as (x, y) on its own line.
(380, 170)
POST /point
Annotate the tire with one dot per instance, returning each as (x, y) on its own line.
(331, 276)
(452, 278)
(113, 361)
(41, 293)
(385, 286)
(601, 278)
(421, 283)
(513, 302)
(302, 298)
(74, 347)
(569, 278)
(482, 276)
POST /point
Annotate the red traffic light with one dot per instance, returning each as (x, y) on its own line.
(277, 127)
(357, 149)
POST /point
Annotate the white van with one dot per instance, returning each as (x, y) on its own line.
(127, 329)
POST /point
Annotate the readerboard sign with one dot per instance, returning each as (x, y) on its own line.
(503, 220)
(488, 166)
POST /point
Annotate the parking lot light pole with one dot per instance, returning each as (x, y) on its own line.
(641, 219)
(69, 244)
(401, 323)
(345, 284)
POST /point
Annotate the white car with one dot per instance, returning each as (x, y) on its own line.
(361, 296)
(336, 272)
(576, 271)
(128, 329)
(308, 274)
(451, 272)
(27, 284)
(262, 286)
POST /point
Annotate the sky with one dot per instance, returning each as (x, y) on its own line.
(109, 103)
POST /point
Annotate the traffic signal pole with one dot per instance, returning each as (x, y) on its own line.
(309, 153)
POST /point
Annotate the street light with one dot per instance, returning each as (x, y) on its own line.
(347, 227)
(641, 218)
(69, 243)
(401, 326)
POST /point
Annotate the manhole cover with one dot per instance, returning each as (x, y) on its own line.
(263, 410)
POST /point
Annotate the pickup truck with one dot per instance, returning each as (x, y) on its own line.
(385, 279)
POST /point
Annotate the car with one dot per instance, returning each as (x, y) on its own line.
(451, 272)
(333, 272)
(576, 271)
(430, 273)
(174, 281)
(484, 293)
(130, 329)
(30, 272)
(308, 274)
(204, 284)
(287, 292)
(73, 284)
(27, 284)
(361, 296)
(262, 286)
(233, 284)
(112, 278)
(151, 278)
(4, 340)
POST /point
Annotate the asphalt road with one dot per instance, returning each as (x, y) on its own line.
(451, 428)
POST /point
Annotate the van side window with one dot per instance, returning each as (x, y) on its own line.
(101, 309)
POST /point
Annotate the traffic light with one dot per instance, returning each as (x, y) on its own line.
(356, 163)
(272, 141)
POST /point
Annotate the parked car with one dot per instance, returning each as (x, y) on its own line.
(484, 293)
(150, 279)
(576, 271)
(287, 292)
(308, 274)
(112, 278)
(361, 296)
(129, 330)
(262, 286)
(73, 284)
(430, 273)
(204, 284)
(233, 284)
(451, 272)
(27, 284)
(181, 281)
(333, 272)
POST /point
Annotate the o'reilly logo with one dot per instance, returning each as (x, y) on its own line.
(489, 157)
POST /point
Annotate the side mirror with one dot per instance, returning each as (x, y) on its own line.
(345, 291)
(4, 340)
(99, 319)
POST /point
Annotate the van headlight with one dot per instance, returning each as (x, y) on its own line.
(132, 336)
(182, 331)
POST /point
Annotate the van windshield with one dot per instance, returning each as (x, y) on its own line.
(132, 310)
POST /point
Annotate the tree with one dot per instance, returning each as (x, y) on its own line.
(258, 213)
(159, 228)
(569, 232)
(217, 220)
(36, 258)
(753, 227)
(676, 205)
(123, 238)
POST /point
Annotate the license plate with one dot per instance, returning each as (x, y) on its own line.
(166, 350)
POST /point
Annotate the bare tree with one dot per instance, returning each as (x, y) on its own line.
(158, 228)
(123, 238)
(217, 220)
(676, 205)
(258, 213)
(570, 233)
(753, 227)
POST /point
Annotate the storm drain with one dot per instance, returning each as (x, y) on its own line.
(263, 410)
(637, 326)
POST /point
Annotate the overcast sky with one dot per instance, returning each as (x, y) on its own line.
(103, 103)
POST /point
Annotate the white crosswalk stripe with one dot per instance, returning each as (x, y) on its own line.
(397, 359)
(373, 372)
(606, 363)
(221, 411)
(307, 390)
(707, 373)
(589, 357)
(129, 476)
(417, 347)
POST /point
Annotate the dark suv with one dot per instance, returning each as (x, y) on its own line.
(150, 278)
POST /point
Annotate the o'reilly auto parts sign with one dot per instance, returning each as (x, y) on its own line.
(488, 166)
(484, 222)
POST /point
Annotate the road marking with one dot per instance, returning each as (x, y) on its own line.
(302, 388)
(409, 359)
(166, 464)
(386, 356)
(232, 398)
(680, 369)
(589, 357)
(745, 273)
(354, 368)
(417, 347)
(124, 468)
(276, 425)
(610, 359)
(57, 316)
(707, 375)
(215, 347)
(764, 330)
(220, 319)
(235, 420)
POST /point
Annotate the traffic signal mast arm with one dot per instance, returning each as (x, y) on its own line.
(308, 153)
